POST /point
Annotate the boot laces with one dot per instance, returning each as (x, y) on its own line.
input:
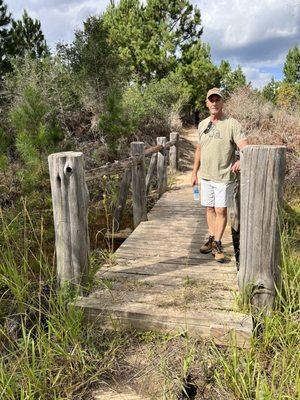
(219, 247)
(209, 240)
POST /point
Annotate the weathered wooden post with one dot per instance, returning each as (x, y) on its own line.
(174, 151)
(262, 175)
(162, 167)
(138, 185)
(151, 169)
(123, 193)
(70, 208)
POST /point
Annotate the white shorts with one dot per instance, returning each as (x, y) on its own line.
(216, 194)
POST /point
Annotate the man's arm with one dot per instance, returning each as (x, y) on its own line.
(194, 179)
(241, 144)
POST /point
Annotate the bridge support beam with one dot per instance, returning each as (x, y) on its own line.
(262, 175)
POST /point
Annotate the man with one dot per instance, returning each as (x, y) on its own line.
(215, 156)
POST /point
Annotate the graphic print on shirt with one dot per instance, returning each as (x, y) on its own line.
(214, 132)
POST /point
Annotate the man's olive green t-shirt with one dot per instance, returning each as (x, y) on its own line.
(218, 148)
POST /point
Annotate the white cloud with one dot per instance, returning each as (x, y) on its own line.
(254, 34)
(257, 34)
(257, 30)
(257, 78)
(59, 18)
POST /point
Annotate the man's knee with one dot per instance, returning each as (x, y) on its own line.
(221, 211)
(210, 210)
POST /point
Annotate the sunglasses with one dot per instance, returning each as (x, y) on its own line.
(207, 129)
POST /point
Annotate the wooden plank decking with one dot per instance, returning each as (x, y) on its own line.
(162, 282)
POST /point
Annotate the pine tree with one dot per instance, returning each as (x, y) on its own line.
(151, 37)
(291, 69)
(238, 78)
(231, 80)
(5, 20)
(27, 37)
(199, 73)
(270, 90)
(92, 57)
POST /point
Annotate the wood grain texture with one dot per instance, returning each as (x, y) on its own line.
(70, 208)
(262, 176)
(174, 151)
(162, 167)
(145, 317)
(123, 193)
(152, 168)
(138, 185)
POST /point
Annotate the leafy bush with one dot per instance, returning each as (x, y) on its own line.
(152, 108)
(288, 95)
(44, 113)
(141, 112)
(56, 86)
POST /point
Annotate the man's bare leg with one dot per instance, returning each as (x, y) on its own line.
(211, 220)
(220, 222)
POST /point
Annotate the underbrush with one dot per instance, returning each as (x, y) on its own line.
(267, 124)
(49, 352)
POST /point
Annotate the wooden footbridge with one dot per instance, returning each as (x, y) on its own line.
(160, 281)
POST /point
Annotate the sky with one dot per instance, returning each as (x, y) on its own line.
(255, 34)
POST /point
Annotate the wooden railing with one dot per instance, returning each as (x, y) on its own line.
(70, 197)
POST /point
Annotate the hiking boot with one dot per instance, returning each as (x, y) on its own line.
(217, 251)
(207, 246)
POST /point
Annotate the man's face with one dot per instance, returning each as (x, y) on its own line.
(215, 104)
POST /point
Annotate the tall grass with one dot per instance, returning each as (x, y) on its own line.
(47, 351)
(270, 370)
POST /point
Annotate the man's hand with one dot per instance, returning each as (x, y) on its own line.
(194, 179)
(236, 167)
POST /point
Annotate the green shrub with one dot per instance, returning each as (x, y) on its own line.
(152, 107)
(114, 122)
(37, 133)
